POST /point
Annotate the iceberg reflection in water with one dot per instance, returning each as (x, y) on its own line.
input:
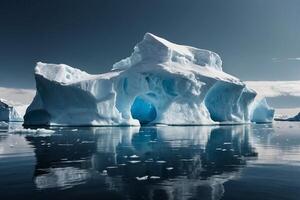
(146, 162)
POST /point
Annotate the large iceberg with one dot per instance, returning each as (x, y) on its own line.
(10, 111)
(160, 83)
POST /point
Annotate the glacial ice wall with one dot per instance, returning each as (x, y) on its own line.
(160, 83)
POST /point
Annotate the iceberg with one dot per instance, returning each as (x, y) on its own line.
(286, 118)
(11, 112)
(160, 83)
(262, 112)
(295, 118)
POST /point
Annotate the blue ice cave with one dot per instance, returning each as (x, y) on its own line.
(143, 110)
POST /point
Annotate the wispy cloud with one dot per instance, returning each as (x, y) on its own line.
(276, 59)
(296, 59)
(275, 88)
(285, 59)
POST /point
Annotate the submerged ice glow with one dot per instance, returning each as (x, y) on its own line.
(161, 82)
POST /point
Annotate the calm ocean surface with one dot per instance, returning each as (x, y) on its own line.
(240, 162)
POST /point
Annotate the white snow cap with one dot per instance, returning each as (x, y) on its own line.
(60, 73)
(154, 49)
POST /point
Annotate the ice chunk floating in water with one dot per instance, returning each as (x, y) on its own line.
(161, 82)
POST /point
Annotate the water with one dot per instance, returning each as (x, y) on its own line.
(228, 162)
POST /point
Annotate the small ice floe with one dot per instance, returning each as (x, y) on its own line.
(87, 142)
(134, 156)
(154, 177)
(75, 129)
(11, 146)
(134, 161)
(159, 125)
(65, 145)
(39, 131)
(111, 167)
(169, 168)
(3, 124)
(142, 178)
(104, 172)
(43, 130)
(186, 159)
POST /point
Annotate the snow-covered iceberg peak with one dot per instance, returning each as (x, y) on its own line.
(160, 83)
(154, 49)
(60, 73)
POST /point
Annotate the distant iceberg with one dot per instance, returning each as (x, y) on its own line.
(160, 83)
(286, 118)
(295, 118)
(262, 112)
(11, 112)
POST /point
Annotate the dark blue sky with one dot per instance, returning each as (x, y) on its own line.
(255, 38)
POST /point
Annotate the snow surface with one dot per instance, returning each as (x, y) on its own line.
(160, 83)
(10, 111)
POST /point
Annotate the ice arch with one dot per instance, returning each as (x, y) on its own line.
(143, 110)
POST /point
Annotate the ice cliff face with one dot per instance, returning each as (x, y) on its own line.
(11, 112)
(160, 82)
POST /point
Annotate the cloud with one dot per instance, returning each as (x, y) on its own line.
(285, 59)
(275, 88)
(16, 95)
(276, 59)
(296, 59)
